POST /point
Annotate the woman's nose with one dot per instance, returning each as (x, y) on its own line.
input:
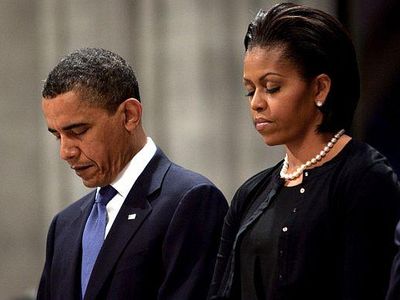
(257, 102)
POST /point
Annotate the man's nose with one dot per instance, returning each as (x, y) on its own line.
(68, 149)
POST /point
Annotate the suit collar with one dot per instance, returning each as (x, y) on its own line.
(147, 183)
(152, 176)
(137, 206)
(86, 204)
(131, 172)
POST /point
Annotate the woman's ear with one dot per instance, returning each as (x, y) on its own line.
(132, 112)
(322, 88)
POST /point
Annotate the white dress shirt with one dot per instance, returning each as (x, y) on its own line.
(126, 179)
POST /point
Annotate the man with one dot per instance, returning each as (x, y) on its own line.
(394, 285)
(151, 229)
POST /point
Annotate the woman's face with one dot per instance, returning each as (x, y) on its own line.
(282, 103)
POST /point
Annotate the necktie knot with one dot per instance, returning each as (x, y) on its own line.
(105, 194)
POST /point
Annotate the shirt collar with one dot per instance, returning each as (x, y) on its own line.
(128, 176)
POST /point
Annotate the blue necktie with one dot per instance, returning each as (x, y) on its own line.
(93, 235)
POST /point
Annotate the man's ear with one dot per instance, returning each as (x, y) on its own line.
(132, 112)
(322, 87)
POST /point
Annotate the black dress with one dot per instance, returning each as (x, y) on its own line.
(331, 239)
(259, 249)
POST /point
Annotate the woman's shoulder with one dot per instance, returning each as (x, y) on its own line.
(256, 182)
(260, 177)
(365, 177)
(366, 168)
(362, 157)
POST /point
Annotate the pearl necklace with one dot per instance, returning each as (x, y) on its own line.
(310, 162)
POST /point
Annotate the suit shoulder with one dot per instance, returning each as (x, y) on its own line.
(182, 182)
(76, 206)
(187, 177)
(188, 189)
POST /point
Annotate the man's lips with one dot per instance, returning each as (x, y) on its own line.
(80, 168)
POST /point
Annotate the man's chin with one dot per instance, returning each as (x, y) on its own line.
(90, 183)
(93, 183)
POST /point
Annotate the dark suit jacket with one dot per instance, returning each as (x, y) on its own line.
(394, 286)
(167, 252)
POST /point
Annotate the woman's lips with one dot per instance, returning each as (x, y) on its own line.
(261, 123)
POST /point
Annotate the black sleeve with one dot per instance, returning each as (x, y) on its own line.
(372, 210)
(241, 202)
(229, 231)
(394, 285)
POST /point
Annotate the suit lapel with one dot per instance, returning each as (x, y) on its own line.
(132, 214)
(72, 255)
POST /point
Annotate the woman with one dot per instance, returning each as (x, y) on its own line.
(320, 224)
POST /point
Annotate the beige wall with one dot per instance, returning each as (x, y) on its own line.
(187, 55)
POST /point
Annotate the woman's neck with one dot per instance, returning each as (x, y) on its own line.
(302, 153)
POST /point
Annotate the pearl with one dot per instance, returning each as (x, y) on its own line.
(310, 162)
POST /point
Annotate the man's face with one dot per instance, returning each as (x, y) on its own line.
(92, 140)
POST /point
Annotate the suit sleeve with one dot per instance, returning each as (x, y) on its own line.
(44, 284)
(372, 210)
(394, 285)
(191, 243)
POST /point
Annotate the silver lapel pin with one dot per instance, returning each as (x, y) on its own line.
(132, 217)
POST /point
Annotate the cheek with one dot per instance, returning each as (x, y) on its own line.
(95, 150)
(284, 109)
(296, 104)
(90, 151)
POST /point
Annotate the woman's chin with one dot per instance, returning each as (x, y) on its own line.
(270, 141)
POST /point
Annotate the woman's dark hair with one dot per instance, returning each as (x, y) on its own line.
(100, 76)
(316, 43)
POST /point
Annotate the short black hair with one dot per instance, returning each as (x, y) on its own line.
(316, 43)
(100, 76)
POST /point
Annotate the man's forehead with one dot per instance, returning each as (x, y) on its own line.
(69, 101)
(67, 110)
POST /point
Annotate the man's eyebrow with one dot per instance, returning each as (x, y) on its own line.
(69, 127)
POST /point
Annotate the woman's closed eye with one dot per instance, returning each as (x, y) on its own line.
(268, 90)
(272, 89)
(250, 94)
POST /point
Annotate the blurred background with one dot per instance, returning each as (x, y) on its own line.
(188, 58)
